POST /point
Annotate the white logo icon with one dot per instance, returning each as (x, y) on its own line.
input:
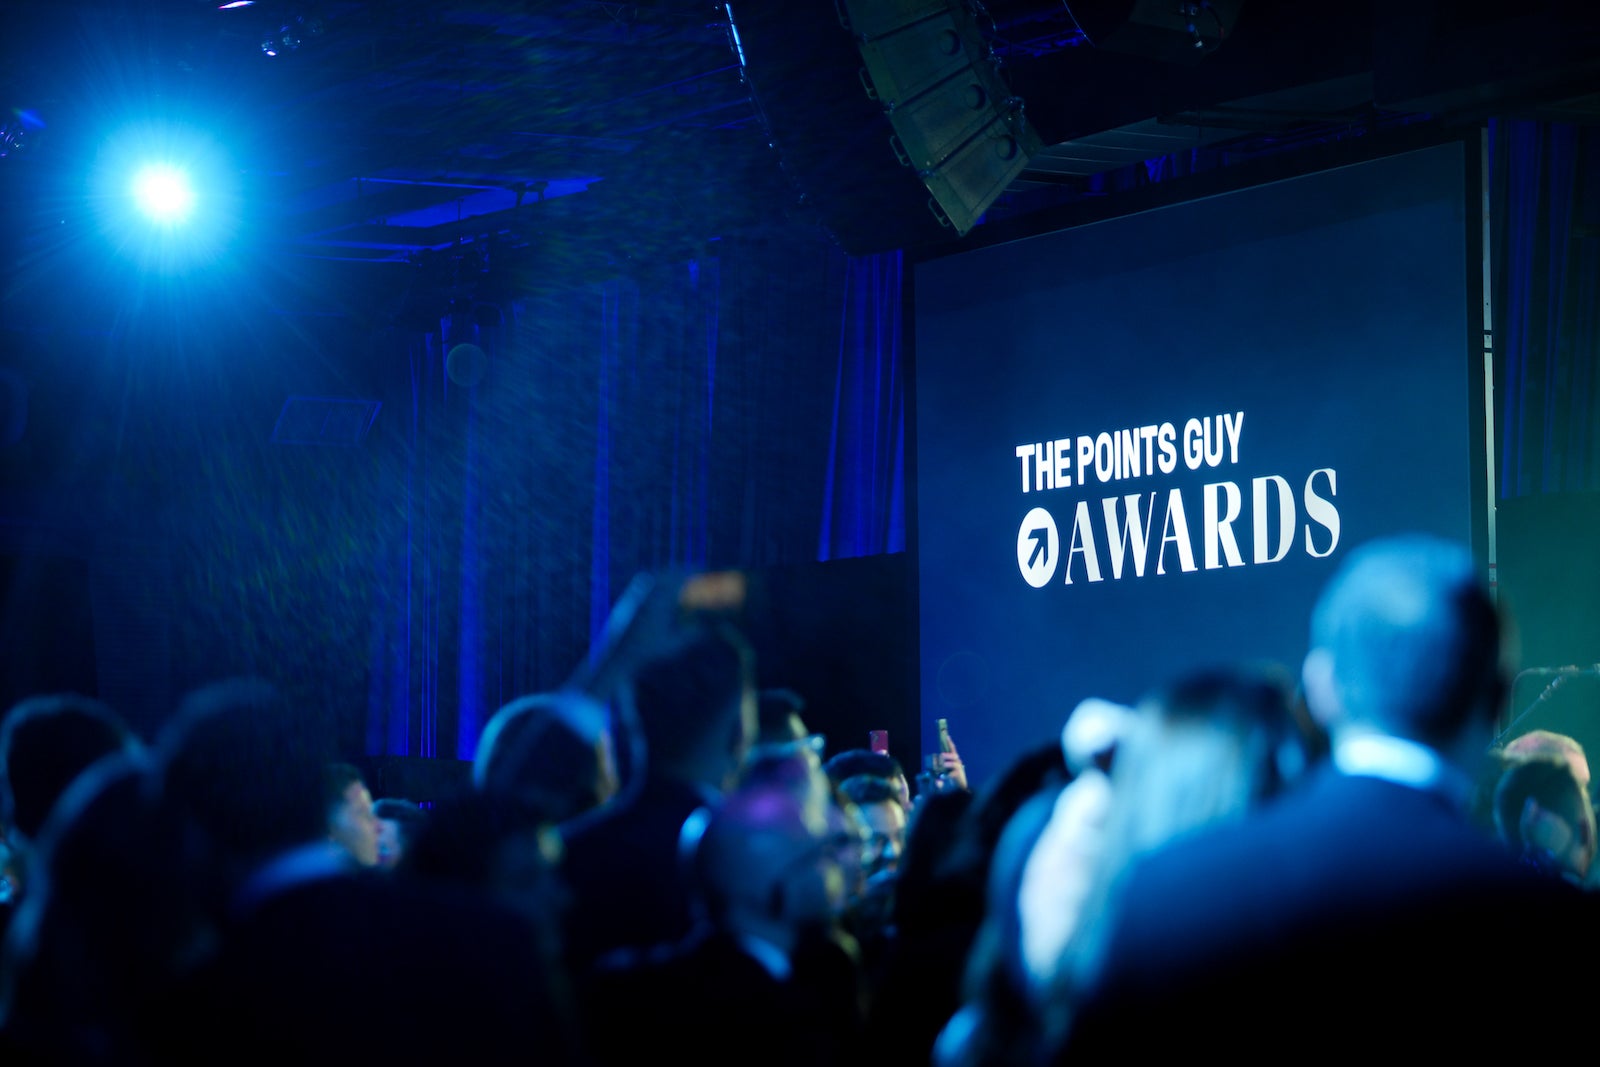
(1038, 547)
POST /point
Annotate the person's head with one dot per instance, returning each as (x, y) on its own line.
(550, 753)
(119, 906)
(761, 864)
(796, 771)
(851, 836)
(485, 843)
(879, 803)
(1206, 747)
(1202, 750)
(859, 762)
(45, 743)
(351, 824)
(247, 766)
(1406, 641)
(1543, 815)
(779, 714)
(1545, 743)
(781, 732)
(1089, 736)
(399, 822)
(697, 708)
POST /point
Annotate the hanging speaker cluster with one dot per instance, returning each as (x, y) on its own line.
(891, 115)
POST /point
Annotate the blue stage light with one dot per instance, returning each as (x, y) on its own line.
(163, 193)
(167, 195)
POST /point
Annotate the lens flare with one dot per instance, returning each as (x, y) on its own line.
(163, 193)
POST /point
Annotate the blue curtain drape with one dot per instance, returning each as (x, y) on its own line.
(1545, 247)
(863, 508)
(713, 412)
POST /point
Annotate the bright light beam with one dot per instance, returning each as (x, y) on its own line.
(163, 193)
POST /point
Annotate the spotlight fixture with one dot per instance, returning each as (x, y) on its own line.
(163, 193)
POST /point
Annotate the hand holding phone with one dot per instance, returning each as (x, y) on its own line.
(653, 617)
(945, 764)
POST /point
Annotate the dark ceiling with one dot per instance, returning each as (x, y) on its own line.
(400, 125)
(384, 129)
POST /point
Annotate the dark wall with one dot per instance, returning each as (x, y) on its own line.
(840, 634)
(46, 627)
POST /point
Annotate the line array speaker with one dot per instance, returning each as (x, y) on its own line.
(892, 116)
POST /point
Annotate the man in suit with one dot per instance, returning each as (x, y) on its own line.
(1364, 910)
(697, 710)
(313, 962)
(755, 982)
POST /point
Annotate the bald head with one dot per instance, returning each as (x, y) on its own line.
(760, 856)
(1546, 744)
(1541, 811)
(1405, 638)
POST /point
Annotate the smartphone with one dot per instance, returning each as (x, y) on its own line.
(879, 740)
(713, 593)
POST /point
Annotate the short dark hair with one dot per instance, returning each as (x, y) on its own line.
(862, 761)
(407, 817)
(683, 698)
(540, 754)
(46, 742)
(1413, 636)
(398, 810)
(248, 766)
(336, 778)
(774, 707)
(869, 789)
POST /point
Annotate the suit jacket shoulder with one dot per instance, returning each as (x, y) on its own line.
(623, 870)
(1351, 887)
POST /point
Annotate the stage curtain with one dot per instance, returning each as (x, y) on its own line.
(1545, 210)
(717, 411)
(864, 500)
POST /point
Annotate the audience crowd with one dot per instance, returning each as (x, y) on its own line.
(666, 863)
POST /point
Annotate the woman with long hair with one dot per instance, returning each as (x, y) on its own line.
(1206, 748)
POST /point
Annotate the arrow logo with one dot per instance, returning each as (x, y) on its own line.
(1038, 548)
(1041, 544)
